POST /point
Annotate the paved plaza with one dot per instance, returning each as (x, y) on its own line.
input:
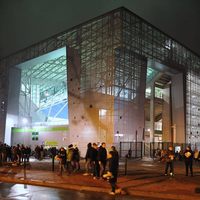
(143, 178)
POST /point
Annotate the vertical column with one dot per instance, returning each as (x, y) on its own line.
(12, 116)
(73, 84)
(152, 112)
(178, 109)
(3, 96)
(166, 115)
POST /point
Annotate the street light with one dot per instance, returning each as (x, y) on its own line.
(173, 133)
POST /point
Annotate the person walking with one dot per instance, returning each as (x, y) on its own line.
(112, 174)
(188, 156)
(88, 157)
(169, 158)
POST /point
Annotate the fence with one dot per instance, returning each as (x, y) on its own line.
(131, 149)
(140, 149)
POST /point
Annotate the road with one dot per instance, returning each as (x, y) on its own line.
(11, 191)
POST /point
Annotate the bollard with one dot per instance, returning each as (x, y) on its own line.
(126, 160)
(24, 162)
(53, 153)
(53, 158)
(25, 186)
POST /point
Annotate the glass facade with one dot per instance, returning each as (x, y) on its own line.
(113, 51)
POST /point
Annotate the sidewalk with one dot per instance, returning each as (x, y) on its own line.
(144, 178)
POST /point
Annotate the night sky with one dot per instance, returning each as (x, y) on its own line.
(25, 22)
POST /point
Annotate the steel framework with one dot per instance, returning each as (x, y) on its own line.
(108, 46)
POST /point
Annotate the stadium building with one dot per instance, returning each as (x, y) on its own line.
(115, 78)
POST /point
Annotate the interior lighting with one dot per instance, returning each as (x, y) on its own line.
(119, 135)
(24, 120)
(102, 112)
(168, 44)
(46, 94)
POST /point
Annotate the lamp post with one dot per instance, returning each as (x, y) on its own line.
(136, 143)
(190, 138)
(196, 139)
(173, 134)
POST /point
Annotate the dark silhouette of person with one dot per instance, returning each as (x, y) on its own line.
(169, 158)
(94, 161)
(188, 156)
(113, 159)
(102, 158)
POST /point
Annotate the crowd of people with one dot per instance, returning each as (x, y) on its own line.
(178, 155)
(97, 160)
(69, 159)
(169, 156)
(19, 153)
(15, 154)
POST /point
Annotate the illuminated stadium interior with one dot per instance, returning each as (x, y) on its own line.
(43, 94)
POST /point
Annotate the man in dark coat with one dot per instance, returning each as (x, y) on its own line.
(102, 158)
(88, 157)
(113, 159)
(169, 158)
(94, 160)
(188, 155)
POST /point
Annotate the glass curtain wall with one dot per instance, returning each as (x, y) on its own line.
(144, 39)
(96, 41)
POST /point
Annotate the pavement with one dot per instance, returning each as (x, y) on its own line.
(143, 177)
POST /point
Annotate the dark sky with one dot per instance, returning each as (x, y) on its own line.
(25, 22)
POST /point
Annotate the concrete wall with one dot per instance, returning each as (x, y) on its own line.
(166, 115)
(129, 119)
(178, 113)
(84, 121)
(46, 136)
(13, 102)
(98, 117)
